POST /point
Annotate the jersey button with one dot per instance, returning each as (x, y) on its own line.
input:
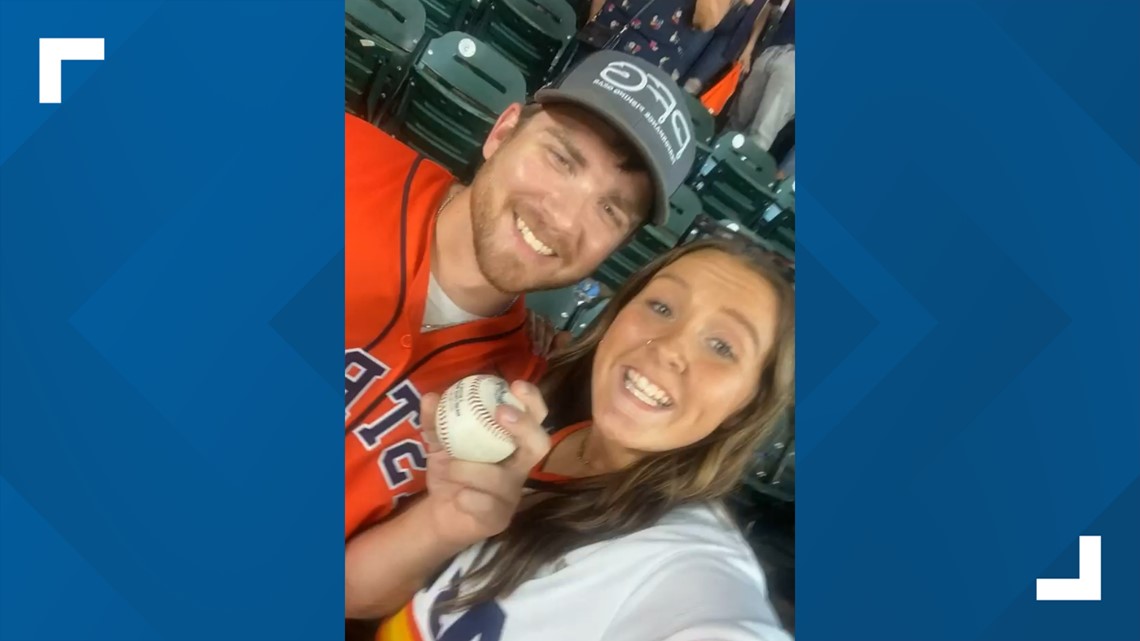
(406, 340)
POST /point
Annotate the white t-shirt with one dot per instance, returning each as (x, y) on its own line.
(691, 577)
(440, 311)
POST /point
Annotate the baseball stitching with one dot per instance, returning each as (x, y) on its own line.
(484, 414)
(441, 427)
(468, 389)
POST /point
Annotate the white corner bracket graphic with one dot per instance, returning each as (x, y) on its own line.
(53, 51)
(1086, 587)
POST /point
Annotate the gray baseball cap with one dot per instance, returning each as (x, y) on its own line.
(642, 103)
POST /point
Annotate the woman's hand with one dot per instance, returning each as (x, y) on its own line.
(470, 502)
(544, 338)
(745, 60)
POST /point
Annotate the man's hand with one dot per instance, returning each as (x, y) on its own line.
(465, 503)
(469, 502)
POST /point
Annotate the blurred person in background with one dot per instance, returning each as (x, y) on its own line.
(693, 41)
(767, 99)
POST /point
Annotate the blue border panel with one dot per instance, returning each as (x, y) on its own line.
(969, 320)
(172, 323)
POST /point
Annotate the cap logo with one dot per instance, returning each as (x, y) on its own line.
(653, 99)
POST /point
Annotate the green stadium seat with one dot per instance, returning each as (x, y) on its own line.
(637, 253)
(773, 467)
(735, 181)
(586, 315)
(444, 16)
(381, 38)
(456, 91)
(780, 214)
(533, 34)
(556, 305)
(704, 128)
(684, 207)
(785, 237)
(651, 241)
(615, 270)
(658, 239)
(622, 264)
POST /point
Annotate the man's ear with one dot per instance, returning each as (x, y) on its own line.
(506, 125)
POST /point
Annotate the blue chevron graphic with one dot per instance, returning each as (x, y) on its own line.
(901, 324)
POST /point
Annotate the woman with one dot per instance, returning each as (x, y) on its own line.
(621, 535)
(672, 34)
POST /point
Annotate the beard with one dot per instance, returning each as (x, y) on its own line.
(496, 256)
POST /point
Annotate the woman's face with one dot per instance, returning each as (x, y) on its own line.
(684, 354)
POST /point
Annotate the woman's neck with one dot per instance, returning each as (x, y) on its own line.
(584, 453)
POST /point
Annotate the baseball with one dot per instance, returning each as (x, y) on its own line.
(465, 419)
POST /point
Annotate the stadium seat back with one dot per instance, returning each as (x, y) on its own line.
(684, 207)
(780, 213)
(533, 34)
(381, 38)
(615, 270)
(556, 305)
(456, 92)
(444, 16)
(704, 128)
(586, 316)
(735, 180)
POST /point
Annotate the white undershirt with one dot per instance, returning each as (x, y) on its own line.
(440, 311)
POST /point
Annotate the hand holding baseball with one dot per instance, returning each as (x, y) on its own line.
(471, 501)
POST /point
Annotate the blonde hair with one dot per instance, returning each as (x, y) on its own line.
(588, 510)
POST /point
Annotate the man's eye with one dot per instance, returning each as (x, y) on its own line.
(560, 160)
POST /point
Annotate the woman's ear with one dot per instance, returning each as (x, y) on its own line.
(504, 128)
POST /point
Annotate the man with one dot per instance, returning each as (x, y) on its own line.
(435, 272)
(767, 100)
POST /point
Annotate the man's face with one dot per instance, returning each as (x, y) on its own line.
(553, 199)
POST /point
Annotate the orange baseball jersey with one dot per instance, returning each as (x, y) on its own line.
(391, 197)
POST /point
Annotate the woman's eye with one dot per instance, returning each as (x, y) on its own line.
(661, 309)
(722, 348)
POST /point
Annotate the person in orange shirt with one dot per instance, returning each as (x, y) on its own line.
(435, 271)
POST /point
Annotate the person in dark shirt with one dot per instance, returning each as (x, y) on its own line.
(733, 39)
(685, 38)
(767, 99)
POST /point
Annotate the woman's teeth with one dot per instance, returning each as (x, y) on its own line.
(645, 390)
(532, 240)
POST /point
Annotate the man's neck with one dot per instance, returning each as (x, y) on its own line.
(453, 260)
